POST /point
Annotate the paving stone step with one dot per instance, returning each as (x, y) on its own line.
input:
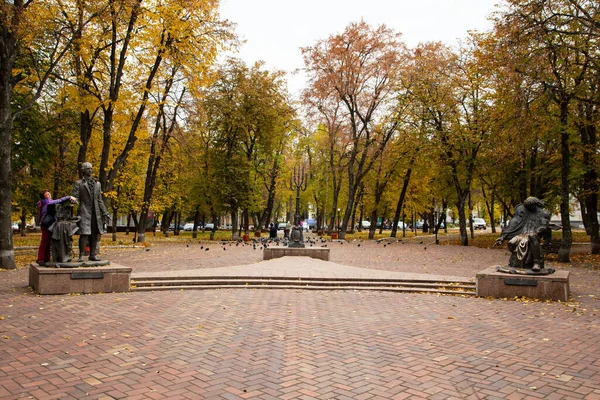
(400, 289)
(283, 281)
(300, 278)
(178, 283)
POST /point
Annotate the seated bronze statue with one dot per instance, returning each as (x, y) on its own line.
(524, 233)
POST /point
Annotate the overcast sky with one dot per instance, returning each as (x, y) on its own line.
(274, 30)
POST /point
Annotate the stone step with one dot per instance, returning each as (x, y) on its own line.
(305, 287)
(444, 280)
(187, 283)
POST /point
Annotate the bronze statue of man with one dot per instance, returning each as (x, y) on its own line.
(529, 224)
(92, 212)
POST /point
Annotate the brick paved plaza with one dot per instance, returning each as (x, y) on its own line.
(299, 344)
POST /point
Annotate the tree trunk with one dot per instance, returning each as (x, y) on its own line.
(246, 221)
(471, 217)
(567, 236)
(334, 212)
(22, 225)
(177, 223)
(462, 221)
(141, 226)
(373, 224)
(591, 185)
(492, 216)
(128, 223)
(592, 209)
(7, 58)
(383, 217)
(85, 133)
(114, 223)
(196, 219)
(400, 203)
(234, 224)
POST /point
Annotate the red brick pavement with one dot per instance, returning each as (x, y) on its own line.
(293, 344)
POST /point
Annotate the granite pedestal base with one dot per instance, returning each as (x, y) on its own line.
(491, 283)
(276, 252)
(104, 279)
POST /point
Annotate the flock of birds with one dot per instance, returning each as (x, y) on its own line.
(263, 243)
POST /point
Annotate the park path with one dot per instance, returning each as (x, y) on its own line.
(297, 344)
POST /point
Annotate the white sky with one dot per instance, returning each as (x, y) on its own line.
(274, 30)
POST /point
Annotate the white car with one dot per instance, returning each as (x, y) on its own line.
(189, 226)
(479, 223)
(365, 224)
(209, 226)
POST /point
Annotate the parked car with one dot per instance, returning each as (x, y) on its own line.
(281, 226)
(364, 224)
(189, 226)
(479, 223)
(402, 225)
(172, 227)
(15, 226)
(209, 227)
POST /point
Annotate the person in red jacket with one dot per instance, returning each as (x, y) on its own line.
(47, 218)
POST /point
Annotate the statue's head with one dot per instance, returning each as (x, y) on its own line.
(86, 169)
(533, 202)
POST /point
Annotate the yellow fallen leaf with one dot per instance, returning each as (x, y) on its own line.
(451, 317)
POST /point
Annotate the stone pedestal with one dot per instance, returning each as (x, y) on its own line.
(104, 279)
(491, 283)
(276, 252)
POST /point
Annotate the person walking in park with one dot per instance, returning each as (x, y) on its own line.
(92, 212)
(273, 230)
(47, 217)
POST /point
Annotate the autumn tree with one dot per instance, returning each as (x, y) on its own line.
(554, 44)
(449, 90)
(248, 120)
(355, 69)
(330, 138)
(26, 28)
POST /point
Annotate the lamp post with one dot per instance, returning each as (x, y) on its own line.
(436, 227)
(297, 239)
(300, 183)
(338, 222)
